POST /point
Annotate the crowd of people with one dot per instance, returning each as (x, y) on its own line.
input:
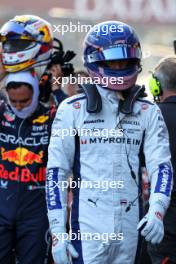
(54, 205)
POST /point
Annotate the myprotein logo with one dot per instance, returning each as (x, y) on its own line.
(119, 140)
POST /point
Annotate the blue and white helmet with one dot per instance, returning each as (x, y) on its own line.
(112, 40)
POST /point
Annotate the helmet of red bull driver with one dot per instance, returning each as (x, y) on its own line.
(26, 42)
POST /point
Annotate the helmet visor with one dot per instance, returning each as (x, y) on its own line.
(13, 30)
(17, 45)
(119, 52)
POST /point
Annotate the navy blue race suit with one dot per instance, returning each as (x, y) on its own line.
(23, 158)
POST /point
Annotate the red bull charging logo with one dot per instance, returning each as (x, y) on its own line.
(21, 156)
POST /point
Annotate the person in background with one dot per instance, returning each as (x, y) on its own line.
(163, 87)
(73, 89)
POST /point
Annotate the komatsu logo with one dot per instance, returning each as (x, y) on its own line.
(165, 176)
(53, 195)
(164, 180)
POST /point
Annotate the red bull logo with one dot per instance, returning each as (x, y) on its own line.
(24, 175)
(21, 156)
(41, 119)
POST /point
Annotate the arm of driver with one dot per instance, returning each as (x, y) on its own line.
(158, 163)
(60, 162)
(158, 159)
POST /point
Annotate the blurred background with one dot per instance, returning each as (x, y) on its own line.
(154, 21)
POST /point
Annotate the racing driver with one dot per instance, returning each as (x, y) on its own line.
(112, 52)
(25, 124)
(24, 136)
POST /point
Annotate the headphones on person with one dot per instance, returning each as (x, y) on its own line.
(155, 86)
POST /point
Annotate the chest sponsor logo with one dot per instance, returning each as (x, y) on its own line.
(36, 128)
(113, 140)
(21, 156)
(41, 119)
(131, 122)
(28, 141)
(7, 124)
(9, 116)
(132, 130)
(93, 121)
(22, 174)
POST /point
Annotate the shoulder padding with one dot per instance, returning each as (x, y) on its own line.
(94, 102)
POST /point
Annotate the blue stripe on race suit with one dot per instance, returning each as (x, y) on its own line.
(164, 180)
(140, 201)
(75, 206)
(140, 239)
(52, 189)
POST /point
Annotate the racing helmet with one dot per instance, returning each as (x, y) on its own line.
(110, 41)
(26, 42)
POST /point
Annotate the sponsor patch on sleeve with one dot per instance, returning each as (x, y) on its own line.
(53, 192)
(164, 180)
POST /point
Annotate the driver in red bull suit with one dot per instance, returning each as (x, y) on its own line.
(24, 137)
